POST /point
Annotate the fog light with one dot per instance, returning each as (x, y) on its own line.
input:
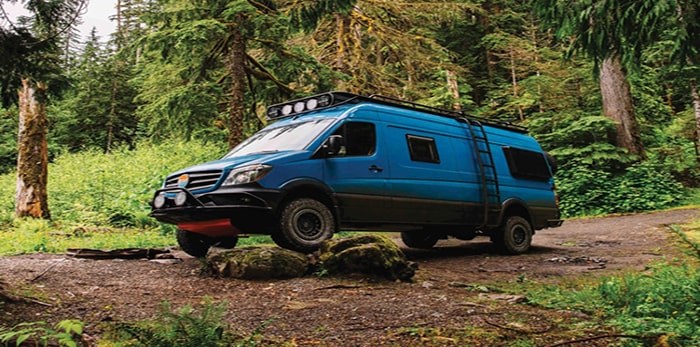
(159, 201)
(180, 198)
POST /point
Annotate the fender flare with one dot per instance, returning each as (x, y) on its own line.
(514, 202)
(297, 183)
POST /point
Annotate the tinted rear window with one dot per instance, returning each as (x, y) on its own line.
(527, 164)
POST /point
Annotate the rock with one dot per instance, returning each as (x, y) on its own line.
(511, 299)
(366, 254)
(258, 263)
(166, 261)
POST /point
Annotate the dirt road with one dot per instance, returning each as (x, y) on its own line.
(357, 311)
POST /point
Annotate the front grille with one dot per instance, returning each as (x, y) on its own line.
(198, 180)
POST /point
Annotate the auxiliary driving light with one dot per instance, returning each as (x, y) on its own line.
(286, 110)
(159, 201)
(311, 104)
(180, 198)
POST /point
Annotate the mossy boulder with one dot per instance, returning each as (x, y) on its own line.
(366, 254)
(258, 263)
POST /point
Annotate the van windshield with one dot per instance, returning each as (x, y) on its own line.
(288, 137)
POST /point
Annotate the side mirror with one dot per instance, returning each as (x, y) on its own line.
(331, 146)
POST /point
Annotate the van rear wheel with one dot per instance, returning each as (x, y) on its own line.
(194, 244)
(514, 237)
(304, 224)
(419, 239)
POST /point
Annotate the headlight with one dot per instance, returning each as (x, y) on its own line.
(159, 201)
(246, 174)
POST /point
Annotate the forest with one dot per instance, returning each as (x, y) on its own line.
(607, 87)
(93, 125)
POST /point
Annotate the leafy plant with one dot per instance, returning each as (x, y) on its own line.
(664, 301)
(184, 327)
(64, 333)
(94, 188)
(642, 186)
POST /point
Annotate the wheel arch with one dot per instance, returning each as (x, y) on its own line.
(309, 188)
(515, 207)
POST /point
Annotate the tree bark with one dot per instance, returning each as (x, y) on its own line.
(32, 157)
(453, 88)
(617, 104)
(342, 23)
(514, 80)
(236, 70)
(696, 110)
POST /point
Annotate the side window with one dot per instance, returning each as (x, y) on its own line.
(360, 139)
(527, 164)
(422, 149)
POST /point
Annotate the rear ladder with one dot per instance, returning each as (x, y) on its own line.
(490, 191)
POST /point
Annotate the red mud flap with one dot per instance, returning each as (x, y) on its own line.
(214, 228)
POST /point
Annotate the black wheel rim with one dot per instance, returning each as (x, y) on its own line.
(519, 235)
(308, 224)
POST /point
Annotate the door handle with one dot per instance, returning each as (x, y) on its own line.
(375, 169)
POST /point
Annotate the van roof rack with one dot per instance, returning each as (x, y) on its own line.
(325, 100)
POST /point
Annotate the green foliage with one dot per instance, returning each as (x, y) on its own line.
(94, 188)
(99, 110)
(8, 139)
(184, 327)
(37, 235)
(65, 333)
(664, 301)
(642, 186)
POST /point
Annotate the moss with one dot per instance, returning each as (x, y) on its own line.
(258, 263)
(367, 254)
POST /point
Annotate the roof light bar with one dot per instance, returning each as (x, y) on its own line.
(330, 99)
(294, 107)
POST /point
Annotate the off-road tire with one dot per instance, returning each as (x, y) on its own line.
(279, 239)
(514, 236)
(304, 224)
(194, 244)
(419, 239)
(226, 242)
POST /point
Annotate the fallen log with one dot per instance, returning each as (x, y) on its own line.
(124, 253)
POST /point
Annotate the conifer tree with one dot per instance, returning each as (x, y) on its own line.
(594, 26)
(38, 41)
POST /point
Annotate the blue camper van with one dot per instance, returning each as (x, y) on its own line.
(340, 161)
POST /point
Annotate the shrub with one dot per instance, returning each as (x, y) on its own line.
(64, 333)
(185, 327)
(665, 301)
(95, 188)
(642, 186)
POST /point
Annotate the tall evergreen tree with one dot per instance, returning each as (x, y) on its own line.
(594, 26)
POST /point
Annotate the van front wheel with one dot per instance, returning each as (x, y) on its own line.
(514, 237)
(194, 244)
(305, 224)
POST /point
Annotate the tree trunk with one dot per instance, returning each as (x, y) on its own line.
(514, 80)
(617, 105)
(453, 88)
(696, 109)
(342, 23)
(32, 156)
(236, 71)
